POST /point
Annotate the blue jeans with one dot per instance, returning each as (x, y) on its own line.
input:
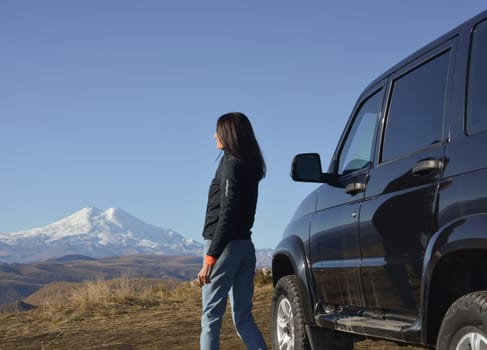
(232, 276)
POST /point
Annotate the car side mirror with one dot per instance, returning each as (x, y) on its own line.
(306, 167)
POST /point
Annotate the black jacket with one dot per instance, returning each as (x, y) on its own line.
(232, 200)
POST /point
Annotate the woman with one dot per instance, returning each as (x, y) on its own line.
(229, 262)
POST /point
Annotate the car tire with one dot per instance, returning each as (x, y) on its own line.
(465, 324)
(287, 318)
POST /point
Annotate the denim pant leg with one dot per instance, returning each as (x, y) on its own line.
(214, 301)
(232, 274)
(241, 295)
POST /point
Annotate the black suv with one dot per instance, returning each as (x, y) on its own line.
(393, 243)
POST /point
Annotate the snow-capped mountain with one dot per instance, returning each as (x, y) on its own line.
(94, 233)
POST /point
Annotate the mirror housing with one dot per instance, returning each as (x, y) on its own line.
(306, 167)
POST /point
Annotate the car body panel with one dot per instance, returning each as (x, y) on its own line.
(378, 260)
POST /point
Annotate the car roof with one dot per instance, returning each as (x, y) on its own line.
(448, 35)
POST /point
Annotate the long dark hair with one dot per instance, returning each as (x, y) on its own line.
(238, 138)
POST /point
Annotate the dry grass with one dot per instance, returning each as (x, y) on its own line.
(130, 314)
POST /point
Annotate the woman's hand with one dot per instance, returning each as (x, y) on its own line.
(204, 274)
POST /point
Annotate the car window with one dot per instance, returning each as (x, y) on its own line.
(415, 114)
(477, 83)
(357, 150)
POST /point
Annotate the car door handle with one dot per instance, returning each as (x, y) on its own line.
(355, 187)
(426, 167)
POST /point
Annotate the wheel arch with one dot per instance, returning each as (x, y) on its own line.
(290, 259)
(453, 265)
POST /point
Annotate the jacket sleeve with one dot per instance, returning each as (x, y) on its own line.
(230, 185)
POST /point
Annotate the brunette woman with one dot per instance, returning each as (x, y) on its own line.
(229, 262)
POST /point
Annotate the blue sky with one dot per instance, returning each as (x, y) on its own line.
(114, 103)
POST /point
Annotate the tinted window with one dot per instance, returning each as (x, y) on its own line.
(477, 85)
(415, 115)
(357, 150)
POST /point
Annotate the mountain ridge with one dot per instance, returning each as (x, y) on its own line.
(97, 233)
(19, 280)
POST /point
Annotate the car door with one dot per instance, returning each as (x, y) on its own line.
(467, 165)
(398, 215)
(334, 241)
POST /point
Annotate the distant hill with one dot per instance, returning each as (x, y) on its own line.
(17, 281)
(92, 243)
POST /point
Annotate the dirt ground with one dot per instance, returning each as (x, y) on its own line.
(173, 325)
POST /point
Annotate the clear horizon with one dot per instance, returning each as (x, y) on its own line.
(114, 103)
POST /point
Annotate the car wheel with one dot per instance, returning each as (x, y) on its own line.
(287, 320)
(464, 326)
